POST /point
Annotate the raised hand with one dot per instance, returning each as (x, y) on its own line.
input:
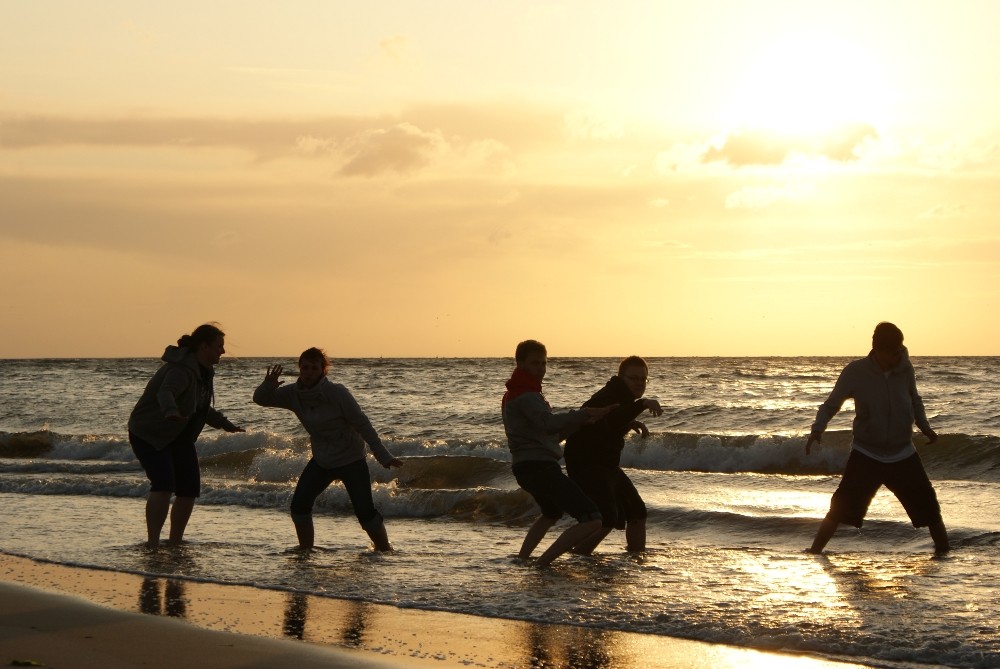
(272, 376)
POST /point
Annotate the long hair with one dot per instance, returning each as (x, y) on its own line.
(203, 334)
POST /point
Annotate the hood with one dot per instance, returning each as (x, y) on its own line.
(181, 356)
(904, 361)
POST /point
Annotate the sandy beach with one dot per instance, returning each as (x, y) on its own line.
(57, 616)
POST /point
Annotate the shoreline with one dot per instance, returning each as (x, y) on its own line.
(58, 616)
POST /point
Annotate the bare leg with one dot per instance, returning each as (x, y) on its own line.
(305, 532)
(824, 534)
(940, 536)
(379, 537)
(535, 535)
(180, 513)
(587, 546)
(157, 508)
(571, 537)
(635, 535)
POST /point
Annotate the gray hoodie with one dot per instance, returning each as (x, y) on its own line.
(533, 431)
(886, 405)
(177, 388)
(338, 428)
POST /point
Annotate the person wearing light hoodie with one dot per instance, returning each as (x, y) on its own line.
(886, 405)
(338, 431)
(165, 424)
(533, 436)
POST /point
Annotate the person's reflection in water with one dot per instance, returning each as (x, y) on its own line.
(149, 596)
(175, 600)
(296, 608)
(588, 649)
(538, 645)
(172, 602)
(354, 632)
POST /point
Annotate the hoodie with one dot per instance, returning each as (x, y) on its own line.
(181, 387)
(338, 428)
(600, 444)
(533, 431)
(886, 405)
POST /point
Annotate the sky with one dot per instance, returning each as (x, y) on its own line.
(446, 178)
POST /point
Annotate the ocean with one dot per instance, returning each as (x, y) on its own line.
(733, 502)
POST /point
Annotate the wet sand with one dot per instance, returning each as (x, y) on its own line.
(60, 617)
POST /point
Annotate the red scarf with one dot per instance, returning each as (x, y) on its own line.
(520, 383)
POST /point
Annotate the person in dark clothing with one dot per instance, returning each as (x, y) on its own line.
(593, 455)
(165, 424)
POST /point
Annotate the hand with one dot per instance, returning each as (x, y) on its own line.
(810, 440)
(175, 416)
(639, 428)
(395, 462)
(653, 407)
(271, 378)
(597, 413)
(931, 436)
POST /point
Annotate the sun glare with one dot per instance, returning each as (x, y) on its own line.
(810, 84)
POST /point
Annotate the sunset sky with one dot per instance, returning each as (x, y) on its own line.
(448, 177)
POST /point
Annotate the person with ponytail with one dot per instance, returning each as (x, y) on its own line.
(165, 423)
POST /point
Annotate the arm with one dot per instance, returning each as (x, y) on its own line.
(266, 394)
(216, 419)
(840, 393)
(538, 412)
(357, 419)
(919, 412)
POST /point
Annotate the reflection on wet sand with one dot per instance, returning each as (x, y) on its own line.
(171, 603)
(354, 620)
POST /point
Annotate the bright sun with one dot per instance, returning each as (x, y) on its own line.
(810, 84)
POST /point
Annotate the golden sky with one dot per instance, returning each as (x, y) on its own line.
(446, 178)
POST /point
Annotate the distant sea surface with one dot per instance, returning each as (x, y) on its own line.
(733, 501)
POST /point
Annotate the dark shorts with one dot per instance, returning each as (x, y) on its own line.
(907, 480)
(315, 479)
(172, 469)
(554, 492)
(613, 492)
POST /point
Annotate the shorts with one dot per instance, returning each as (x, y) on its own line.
(907, 480)
(613, 492)
(172, 469)
(554, 492)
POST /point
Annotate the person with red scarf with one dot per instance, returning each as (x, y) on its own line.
(533, 436)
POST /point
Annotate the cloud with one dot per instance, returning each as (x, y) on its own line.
(400, 148)
(681, 156)
(759, 147)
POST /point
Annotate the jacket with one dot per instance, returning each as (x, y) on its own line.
(179, 387)
(338, 428)
(600, 444)
(886, 405)
(533, 431)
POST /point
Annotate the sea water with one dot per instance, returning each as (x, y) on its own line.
(733, 502)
